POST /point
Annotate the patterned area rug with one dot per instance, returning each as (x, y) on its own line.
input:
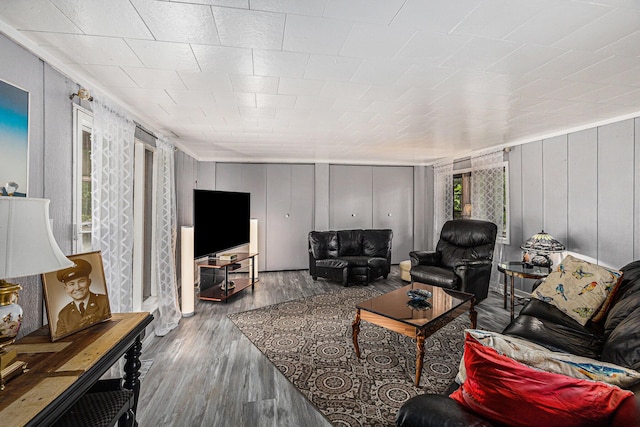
(309, 341)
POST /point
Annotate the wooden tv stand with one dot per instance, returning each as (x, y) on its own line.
(60, 373)
(217, 293)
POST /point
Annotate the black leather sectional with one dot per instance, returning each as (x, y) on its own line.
(349, 256)
(615, 339)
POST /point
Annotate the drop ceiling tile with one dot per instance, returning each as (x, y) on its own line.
(566, 64)
(422, 75)
(603, 31)
(336, 68)
(279, 63)
(222, 59)
(249, 28)
(380, 72)
(371, 11)
(333, 89)
(350, 104)
(109, 76)
(291, 114)
(290, 86)
(194, 97)
(431, 47)
(178, 22)
(524, 59)
(256, 84)
(298, 7)
(206, 80)
(116, 18)
(155, 79)
(148, 96)
(626, 46)
(375, 41)
(235, 99)
(309, 34)
(241, 4)
(164, 55)
(312, 102)
(267, 100)
(384, 93)
(249, 112)
(573, 90)
(605, 71)
(605, 92)
(36, 15)
(628, 76)
(554, 23)
(480, 54)
(436, 15)
(93, 50)
(497, 18)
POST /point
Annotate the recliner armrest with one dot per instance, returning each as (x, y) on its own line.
(472, 263)
(434, 410)
(424, 258)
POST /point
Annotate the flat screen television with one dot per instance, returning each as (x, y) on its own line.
(220, 221)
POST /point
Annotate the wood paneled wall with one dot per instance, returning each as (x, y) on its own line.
(582, 188)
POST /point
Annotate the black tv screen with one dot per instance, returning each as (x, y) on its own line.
(220, 221)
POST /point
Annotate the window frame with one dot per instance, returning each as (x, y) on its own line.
(505, 239)
(82, 121)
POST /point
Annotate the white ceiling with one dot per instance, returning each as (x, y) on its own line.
(345, 81)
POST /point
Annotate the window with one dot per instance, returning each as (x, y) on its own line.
(463, 207)
(144, 295)
(144, 212)
(82, 124)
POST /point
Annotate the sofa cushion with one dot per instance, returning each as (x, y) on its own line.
(578, 288)
(574, 339)
(621, 311)
(539, 357)
(356, 261)
(323, 244)
(350, 242)
(376, 243)
(433, 410)
(512, 393)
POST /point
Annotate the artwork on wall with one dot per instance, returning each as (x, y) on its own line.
(14, 140)
(76, 297)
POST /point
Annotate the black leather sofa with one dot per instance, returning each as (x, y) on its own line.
(462, 259)
(615, 339)
(350, 255)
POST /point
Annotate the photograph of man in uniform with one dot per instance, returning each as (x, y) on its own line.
(85, 307)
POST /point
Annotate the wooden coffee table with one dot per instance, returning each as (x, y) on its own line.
(392, 312)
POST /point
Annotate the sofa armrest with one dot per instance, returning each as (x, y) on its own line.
(434, 410)
(424, 258)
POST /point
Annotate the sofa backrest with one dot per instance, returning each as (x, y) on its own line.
(622, 323)
(350, 242)
(466, 239)
(377, 243)
(323, 244)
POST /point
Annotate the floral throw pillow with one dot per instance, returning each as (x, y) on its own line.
(578, 288)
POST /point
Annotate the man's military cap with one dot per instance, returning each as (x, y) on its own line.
(81, 268)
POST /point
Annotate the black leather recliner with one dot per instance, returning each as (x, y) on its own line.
(462, 259)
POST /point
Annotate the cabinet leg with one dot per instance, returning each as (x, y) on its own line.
(132, 372)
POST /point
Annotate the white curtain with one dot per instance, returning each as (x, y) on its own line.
(487, 197)
(487, 188)
(112, 201)
(443, 198)
(164, 251)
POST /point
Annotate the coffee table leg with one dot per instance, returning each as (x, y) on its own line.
(355, 330)
(513, 299)
(505, 291)
(473, 314)
(419, 355)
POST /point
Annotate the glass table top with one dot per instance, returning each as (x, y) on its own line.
(394, 304)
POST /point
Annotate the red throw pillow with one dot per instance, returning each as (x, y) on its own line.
(509, 392)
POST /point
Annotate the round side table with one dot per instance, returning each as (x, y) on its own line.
(518, 269)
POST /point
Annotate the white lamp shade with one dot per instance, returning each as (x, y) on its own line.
(27, 245)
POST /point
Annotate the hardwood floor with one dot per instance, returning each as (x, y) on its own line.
(206, 373)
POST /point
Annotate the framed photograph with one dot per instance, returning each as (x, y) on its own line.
(14, 140)
(76, 297)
